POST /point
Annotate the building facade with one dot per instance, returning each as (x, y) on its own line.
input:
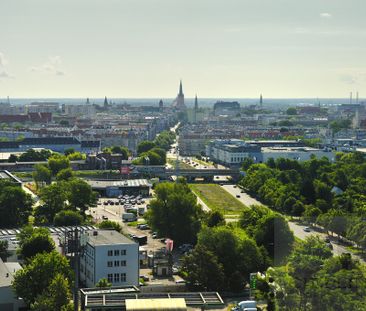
(109, 254)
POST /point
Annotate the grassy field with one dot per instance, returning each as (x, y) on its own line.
(217, 198)
(182, 165)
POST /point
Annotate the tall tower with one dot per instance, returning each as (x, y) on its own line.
(105, 102)
(161, 105)
(179, 101)
(195, 109)
(261, 101)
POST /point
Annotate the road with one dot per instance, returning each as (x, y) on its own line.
(244, 198)
(297, 229)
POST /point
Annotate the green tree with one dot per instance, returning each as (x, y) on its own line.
(247, 163)
(36, 277)
(54, 197)
(174, 212)
(33, 241)
(13, 158)
(42, 174)
(32, 155)
(80, 195)
(103, 283)
(145, 146)
(275, 235)
(4, 253)
(15, 206)
(203, 270)
(215, 218)
(57, 297)
(65, 174)
(69, 151)
(109, 224)
(57, 163)
(68, 218)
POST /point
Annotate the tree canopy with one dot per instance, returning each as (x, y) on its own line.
(174, 212)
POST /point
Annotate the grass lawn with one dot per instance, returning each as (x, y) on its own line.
(217, 198)
(182, 165)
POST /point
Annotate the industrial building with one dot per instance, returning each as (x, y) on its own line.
(114, 188)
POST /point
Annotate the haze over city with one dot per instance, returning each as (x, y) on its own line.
(221, 49)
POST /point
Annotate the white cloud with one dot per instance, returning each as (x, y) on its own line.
(325, 15)
(3, 61)
(51, 66)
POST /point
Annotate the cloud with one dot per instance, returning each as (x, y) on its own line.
(3, 60)
(325, 15)
(348, 79)
(51, 66)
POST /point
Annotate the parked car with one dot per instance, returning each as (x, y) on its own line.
(144, 277)
(307, 229)
(154, 235)
(104, 217)
(238, 196)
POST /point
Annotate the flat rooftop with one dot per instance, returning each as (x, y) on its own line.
(7, 270)
(128, 183)
(107, 237)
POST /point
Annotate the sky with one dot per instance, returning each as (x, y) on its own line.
(219, 48)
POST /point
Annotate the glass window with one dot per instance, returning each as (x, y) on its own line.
(110, 253)
(116, 278)
(123, 277)
(123, 263)
(116, 263)
(116, 252)
(110, 278)
(123, 252)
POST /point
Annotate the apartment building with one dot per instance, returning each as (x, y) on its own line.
(109, 254)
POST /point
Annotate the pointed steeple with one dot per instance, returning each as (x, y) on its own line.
(180, 88)
(87, 101)
(195, 103)
(261, 100)
(105, 101)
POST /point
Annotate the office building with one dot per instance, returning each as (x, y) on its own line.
(109, 254)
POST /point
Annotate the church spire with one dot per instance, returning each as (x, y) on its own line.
(195, 103)
(180, 88)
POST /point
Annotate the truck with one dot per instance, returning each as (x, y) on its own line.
(127, 217)
(141, 210)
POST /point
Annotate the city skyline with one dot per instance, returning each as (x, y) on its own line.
(220, 49)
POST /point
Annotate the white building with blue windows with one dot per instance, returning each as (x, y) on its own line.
(109, 254)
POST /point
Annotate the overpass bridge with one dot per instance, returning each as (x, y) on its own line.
(190, 174)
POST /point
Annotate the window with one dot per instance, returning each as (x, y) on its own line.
(116, 252)
(116, 278)
(123, 263)
(110, 263)
(116, 263)
(123, 252)
(110, 253)
(110, 278)
(123, 277)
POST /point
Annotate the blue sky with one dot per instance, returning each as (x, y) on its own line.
(220, 48)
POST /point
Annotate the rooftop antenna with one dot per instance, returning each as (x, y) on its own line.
(350, 98)
(8, 100)
(357, 97)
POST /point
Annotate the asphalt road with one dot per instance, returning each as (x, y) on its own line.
(296, 228)
(245, 198)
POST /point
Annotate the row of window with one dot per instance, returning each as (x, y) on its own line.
(117, 263)
(116, 278)
(117, 252)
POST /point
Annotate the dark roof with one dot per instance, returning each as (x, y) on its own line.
(9, 144)
(90, 144)
(50, 141)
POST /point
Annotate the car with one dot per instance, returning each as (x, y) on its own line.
(154, 235)
(180, 281)
(104, 217)
(234, 186)
(242, 191)
(175, 270)
(307, 229)
(105, 203)
(238, 196)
